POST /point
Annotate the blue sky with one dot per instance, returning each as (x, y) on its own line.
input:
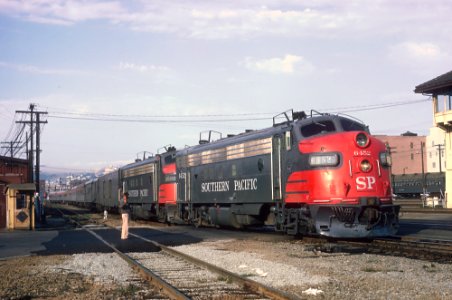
(174, 62)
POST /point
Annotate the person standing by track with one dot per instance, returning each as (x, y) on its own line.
(125, 211)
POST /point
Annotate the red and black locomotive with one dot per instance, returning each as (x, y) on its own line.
(319, 174)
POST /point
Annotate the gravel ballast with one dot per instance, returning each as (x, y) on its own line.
(289, 265)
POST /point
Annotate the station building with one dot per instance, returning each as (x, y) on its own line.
(12, 171)
(440, 89)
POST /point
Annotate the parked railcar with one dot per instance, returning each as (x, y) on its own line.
(414, 185)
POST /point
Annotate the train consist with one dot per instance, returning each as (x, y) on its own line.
(315, 174)
(416, 185)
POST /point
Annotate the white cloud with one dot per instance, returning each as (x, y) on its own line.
(415, 55)
(40, 70)
(61, 12)
(141, 68)
(222, 19)
(288, 64)
(207, 20)
(418, 51)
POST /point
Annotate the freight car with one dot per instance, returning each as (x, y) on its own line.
(318, 174)
(414, 185)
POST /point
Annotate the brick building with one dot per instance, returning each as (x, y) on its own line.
(12, 170)
(407, 152)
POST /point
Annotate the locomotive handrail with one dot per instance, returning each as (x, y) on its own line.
(317, 112)
(284, 113)
(167, 148)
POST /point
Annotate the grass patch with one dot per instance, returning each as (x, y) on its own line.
(370, 270)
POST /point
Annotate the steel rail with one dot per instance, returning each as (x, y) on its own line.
(173, 292)
(147, 274)
(249, 284)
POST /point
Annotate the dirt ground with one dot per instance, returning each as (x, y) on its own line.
(29, 278)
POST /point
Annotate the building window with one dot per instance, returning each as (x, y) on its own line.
(411, 145)
(21, 201)
(412, 156)
(434, 165)
(439, 104)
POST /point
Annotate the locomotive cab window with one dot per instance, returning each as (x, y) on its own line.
(349, 125)
(316, 128)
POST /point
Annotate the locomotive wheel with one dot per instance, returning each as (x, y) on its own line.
(162, 217)
(198, 221)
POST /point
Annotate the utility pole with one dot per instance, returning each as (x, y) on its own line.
(423, 170)
(34, 121)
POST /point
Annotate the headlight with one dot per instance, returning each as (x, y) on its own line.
(323, 160)
(385, 159)
(365, 165)
(362, 140)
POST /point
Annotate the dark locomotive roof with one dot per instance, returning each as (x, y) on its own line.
(341, 123)
(139, 163)
(440, 84)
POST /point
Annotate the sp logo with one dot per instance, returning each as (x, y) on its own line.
(365, 183)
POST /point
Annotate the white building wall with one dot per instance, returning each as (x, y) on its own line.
(436, 137)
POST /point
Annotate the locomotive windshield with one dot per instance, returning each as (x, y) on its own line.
(331, 125)
(350, 125)
(317, 128)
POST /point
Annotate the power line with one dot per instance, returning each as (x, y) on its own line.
(159, 116)
(377, 106)
(157, 121)
(234, 117)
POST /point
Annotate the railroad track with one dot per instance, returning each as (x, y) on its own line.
(180, 276)
(426, 249)
(423, 249)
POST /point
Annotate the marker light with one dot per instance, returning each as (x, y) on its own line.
(362, 140)
(385, 159)
(323, 160)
